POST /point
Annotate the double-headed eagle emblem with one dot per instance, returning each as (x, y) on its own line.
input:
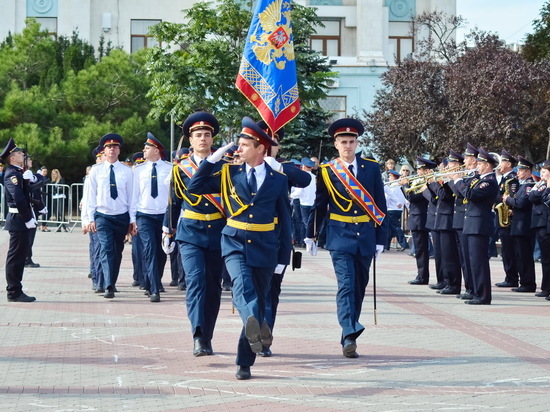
(273, 39)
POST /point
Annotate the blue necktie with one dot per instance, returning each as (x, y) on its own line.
(154, 184)
(112, 183)
(351, 169)
(252, 182)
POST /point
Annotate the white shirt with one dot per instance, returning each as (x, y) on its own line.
(260, 174)
(142, 201)
(306, 194)
(354, 164)
(98, 193)
(394, 198)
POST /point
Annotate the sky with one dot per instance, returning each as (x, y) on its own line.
(511, 19)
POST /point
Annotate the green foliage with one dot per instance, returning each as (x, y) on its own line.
(537, 44)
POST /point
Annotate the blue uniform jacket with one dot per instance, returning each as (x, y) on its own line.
(353, 238)
(459, 206)
(261, 249)
(296, 176)
(539, 213)
(430, 196)
(17, 196)
(418, 211)
(202, 233)
(546, 201)
(445, 206)
(480, 193)
(521, 210)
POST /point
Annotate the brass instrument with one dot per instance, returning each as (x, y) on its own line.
(502, 209)
(420, 181)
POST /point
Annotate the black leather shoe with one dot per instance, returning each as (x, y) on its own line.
(226, 287)
(547, 298)
(449, 291)
(349, 347)
(155, 297)
(208, 346)
(438, 286)
(523, 289)
(476, 302)
(99, 291)
(465, 296)
(252, 333)
(243, 373)
(265, 335)
(199, 348)
(174, 283)
(417, 282)
(22, 298)
(135, 283)
(506, 285)
(183, 286)
(32, 265)
(109, 293)
(161, 289)
(265, 352)
(542, 294)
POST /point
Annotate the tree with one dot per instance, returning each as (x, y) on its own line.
(196, 68)
(537, 44)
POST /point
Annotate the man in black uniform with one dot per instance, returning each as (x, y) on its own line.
(19, 221)
(36, 185)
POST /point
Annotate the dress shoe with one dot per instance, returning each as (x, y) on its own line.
(31, 264)
(147, 293)
(208, 346)
(547, 298)
(476, 302)
(109, 293)
(89, 275)
(135, 283)
(155, 297)
(349, 347)
(265, 352)
(252, 333)
(447, 290)
(100, 290)
(265, 335)
(417, 282)
(506, 285)
(226, 287)
(243, 373)
(174, 283)
(438, 286)
(542, 294)
(183, 286)
(402, 248)
(523, 289)
(465, 296)
(22, 298)
(199, 348)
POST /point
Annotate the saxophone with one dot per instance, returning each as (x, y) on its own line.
(502, 209)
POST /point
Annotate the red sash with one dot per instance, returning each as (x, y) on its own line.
(189, 168)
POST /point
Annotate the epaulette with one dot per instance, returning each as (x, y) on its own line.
(138, 165)
(124, 164)
(370, 160)
(324, 165)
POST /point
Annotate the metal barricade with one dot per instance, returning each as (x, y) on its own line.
(56, 199)
(75, 213)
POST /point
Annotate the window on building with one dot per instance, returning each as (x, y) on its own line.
(336, 105)
(403, 46)
(140, 35)
(49, 24)
(327, 39)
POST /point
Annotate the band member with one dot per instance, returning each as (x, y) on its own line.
(507, 184)
(479, 194)
(108, 198)
(19, 220)
(149, 202)
(252, 246)
(351, 191)
(539, 224)
(198, 234)
(520, 229)
(418, 214)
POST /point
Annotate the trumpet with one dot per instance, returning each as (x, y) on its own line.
(449, 173)
(423, 180)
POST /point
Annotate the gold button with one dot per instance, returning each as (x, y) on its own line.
(206, 204)
(251, 204)
(249, 241)
(251, 216)
(358, 233)
(355, 211)
(209, 226)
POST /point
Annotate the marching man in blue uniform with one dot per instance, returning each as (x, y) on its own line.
(352, 188)
(255, 199)
(147, 209)
(479, 194)
(19, 220)
(199, 220)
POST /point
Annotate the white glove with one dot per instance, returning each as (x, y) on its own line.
(166, 230)
(167, 244)
(43, 211)
(31, 224)
(218, 154)
(311, 246)
(28, 175)
(275, 165)
(279, 269)
(379, 250)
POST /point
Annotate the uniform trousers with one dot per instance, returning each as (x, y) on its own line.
(250, 288)
(98, 280)
(524, 247)
(111, 231)
(352, 274)
(507, 251)
(543, 238)
(272, 302)
(137, 261)
(422, 255)
(15, 262)
(450, 260)
(478, 250)
(439, 271)
(176, 267)
(154, 258)
(32, 235)
(203, 273)
(464, 256)
(394, 221)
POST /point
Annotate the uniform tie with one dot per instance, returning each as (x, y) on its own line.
(112, 183)
(154, 184)
(351, 170)
(252, 182)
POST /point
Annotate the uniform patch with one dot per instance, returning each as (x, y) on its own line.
(14, 180)
(483, 185)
